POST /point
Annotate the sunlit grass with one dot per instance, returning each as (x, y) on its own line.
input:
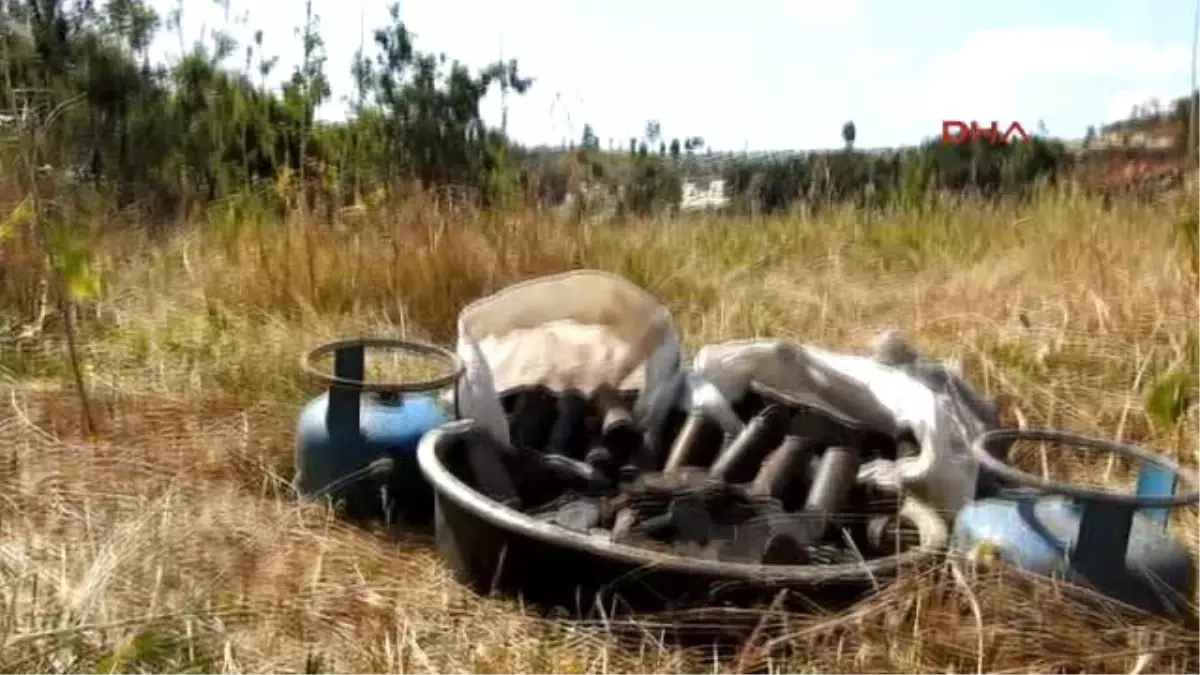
(172, 541)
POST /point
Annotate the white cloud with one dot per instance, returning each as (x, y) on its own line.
(822, 12)
(1065, 51)
(989, 75)
(733, 96)
(1123, 102)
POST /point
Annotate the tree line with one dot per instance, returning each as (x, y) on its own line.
(646, 181)
(207, 127)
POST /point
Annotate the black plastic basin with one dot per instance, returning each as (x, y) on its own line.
(493, 548)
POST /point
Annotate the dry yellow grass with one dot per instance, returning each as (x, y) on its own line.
(171, 541)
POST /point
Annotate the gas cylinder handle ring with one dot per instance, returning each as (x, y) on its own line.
(431, 351)
(986, 442)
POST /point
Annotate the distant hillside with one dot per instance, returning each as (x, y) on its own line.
(1143, 154)
(1158, 133)
(699, 166)
(1147, 152)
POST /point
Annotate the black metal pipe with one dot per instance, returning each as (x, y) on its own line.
(649, 455)
(748, 447)
(907, 448)
(619, 436)
(696, 432)
(890, 534)
(483, 463)
(661, 421)
(613, 412)
(600, 458)
(623, 524)
(571, 470)
(532, 418)
(345, 400)
(834, 478)
(834, 474)
(782, 548)
(568, 426)
(783, 467)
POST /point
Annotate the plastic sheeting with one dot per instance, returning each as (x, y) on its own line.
(587, 328)
(896, 391)
(577, 330)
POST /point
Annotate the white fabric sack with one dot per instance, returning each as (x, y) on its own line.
(576, 330)
(894, 391)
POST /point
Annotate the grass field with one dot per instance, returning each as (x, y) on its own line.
(170, 540)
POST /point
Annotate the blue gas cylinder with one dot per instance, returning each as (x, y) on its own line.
(356, 443)
(1116, 544)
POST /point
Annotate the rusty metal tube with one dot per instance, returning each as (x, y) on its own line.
(756, 438)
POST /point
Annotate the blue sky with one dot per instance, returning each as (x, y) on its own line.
(769, 74)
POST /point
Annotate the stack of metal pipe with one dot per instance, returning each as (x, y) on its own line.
(755, 480)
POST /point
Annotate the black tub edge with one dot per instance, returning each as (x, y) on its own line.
(456, 503)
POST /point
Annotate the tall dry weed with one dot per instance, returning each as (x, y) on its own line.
(172, 542)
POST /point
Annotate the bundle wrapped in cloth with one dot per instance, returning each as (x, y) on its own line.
(579, 331)
(896, 391)
(583, 415)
